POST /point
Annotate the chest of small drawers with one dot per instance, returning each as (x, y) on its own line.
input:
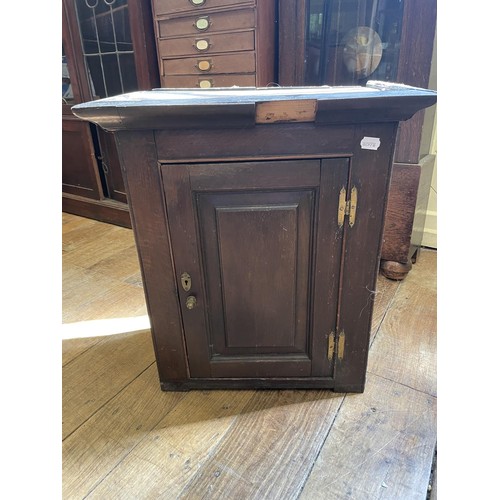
(215, 43)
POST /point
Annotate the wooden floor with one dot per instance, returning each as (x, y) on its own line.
(123, 438)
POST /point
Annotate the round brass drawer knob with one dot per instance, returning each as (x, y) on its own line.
(202, 45)
(202, 23)
(205, 84)
(191, 302)
(204, 65)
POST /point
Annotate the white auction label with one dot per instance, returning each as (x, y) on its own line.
(370, 143)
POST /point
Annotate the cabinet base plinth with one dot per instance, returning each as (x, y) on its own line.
(256, 383)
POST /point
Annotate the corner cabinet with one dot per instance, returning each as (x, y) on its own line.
(259, 251)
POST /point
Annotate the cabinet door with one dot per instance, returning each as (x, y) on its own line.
(262, 247)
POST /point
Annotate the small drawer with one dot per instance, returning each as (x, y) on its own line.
(209, 44)
(239, 62)
(207, 23)
(162, 7)
(209, 81)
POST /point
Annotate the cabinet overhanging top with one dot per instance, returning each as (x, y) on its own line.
(247, 107)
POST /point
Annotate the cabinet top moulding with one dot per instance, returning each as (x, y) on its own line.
(247, 107)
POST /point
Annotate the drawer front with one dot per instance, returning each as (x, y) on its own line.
(207, 23)
(239, 62)
(176, 6)
(209, 44)
(208, 81)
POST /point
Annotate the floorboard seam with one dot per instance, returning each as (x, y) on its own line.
(83, 352)
(403, 384)
(135, 446)
(216, 448)
(110, 399)
(313, 462)
(387, 309)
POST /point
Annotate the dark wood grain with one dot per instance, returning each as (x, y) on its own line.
(292, 36)
(79, 168)
(251, 213)
(170, 7)
(143, 41)
(266, 43)
(227, 20)
(115, 185)
(417, 37)
(255, 261)
(142, 181)
(370, 174)
(109, 211)
(255, 142)
(405, 217)
(400, 212)
(87, 190)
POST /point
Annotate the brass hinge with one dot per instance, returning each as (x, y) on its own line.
(347, 208)
(340, 345)
(331, 345)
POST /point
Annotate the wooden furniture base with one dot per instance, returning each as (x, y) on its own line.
(395, 270)
(105, 210)
(405, 216)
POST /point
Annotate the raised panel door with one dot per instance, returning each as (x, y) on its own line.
(260, 243)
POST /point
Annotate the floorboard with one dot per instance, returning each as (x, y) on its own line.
(166, 460)
(98, 374)
(123, 438)
(380, 447)
(404, 349)
(109, 435)
(271, 447)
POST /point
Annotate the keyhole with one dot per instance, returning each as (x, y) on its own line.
(186, 281)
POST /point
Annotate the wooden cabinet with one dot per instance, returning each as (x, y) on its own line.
(248, 43)
(259, 251)
(215, 43)
(108, 49)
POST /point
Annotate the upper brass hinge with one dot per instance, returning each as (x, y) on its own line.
(347, 207)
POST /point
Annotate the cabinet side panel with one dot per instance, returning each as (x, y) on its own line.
(142, 179)
(370, 174)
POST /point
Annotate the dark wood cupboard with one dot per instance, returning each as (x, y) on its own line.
(259, 252)
(108, 49)
(142, 44)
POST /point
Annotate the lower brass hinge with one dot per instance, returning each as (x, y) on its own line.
(340, 345)
(331, 345)
(347, 207)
